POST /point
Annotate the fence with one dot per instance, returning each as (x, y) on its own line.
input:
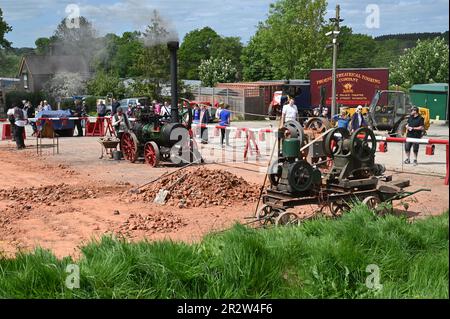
(242, 101)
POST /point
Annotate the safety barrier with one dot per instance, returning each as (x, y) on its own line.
(427, 141)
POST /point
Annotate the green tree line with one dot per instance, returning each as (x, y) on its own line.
(287, 45)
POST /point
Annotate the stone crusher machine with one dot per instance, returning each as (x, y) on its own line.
(352, 175)
(165, 138)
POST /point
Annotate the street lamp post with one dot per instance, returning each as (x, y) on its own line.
(334, 34)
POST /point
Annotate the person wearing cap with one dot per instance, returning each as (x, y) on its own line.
(414, 129)
(120, 122)
(47, 107)
(343, 120)
(358, 120)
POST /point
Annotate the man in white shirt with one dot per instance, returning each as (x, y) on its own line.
(165, 109)
(290, 112)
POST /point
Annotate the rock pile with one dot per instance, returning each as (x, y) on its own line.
(48, 195)
(157, 221)
(203, 188)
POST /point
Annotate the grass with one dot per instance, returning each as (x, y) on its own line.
(318, 259)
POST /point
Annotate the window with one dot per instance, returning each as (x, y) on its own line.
(25, 81)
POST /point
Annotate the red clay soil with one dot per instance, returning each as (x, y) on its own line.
(54, 207)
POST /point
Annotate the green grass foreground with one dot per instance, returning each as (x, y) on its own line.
(320, 259)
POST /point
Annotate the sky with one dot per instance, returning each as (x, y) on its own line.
(31, 19)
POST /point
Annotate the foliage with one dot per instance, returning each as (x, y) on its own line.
(292, 39)
(9, 63)
(118, 54)
(153, 60)
(43, 45)
(103, 84)
(216, 70)
(4, 28)
(356, 50)
(16, 97)
(65, 84)
(426, 63)
(196, 46)
(321, 258)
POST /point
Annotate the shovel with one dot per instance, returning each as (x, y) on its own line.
(160, 198)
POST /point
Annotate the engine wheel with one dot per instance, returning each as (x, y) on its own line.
(151, 154)
(266, 215)
(374, 203)
(338, 208)
(275, 172)
(129, 146)
(287, 218)
(318, 124)
(363, 148)
(334, 141)
(300, 176)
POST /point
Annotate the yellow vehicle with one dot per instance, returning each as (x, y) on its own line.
(389, 111)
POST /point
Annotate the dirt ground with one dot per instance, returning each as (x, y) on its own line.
(61, 202)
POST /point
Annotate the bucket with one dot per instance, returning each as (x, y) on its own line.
(117, 155)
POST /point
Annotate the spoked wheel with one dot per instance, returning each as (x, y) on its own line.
(275, 172)
(334, 141)
(266, 215)
(374, 203)
(338, 208)
(363, 144)
(151, 154)
(129, 146)
(318, 124)
(287, 218)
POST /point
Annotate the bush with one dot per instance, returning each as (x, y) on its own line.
(16, 97)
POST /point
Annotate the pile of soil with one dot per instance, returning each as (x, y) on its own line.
(203, 188)
(157, 221)
(48, 195)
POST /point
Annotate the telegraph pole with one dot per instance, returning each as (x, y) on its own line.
(334, 34)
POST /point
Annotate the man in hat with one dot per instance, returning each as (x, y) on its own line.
(414, 129)
(358, 120)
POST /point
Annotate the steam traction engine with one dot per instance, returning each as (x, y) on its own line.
(351, 174)
(156, 138)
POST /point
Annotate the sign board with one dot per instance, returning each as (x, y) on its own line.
(353, 86)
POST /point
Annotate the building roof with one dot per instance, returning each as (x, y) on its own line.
(52, 64)
(431, 87)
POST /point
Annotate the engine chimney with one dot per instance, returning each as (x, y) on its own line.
(173, 48)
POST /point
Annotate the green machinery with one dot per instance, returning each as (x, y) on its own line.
(351, 175)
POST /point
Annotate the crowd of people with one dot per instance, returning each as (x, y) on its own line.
(19, 115)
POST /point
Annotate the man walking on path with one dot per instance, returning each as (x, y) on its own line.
(414, 128)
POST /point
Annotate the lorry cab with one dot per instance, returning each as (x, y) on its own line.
(389, 111)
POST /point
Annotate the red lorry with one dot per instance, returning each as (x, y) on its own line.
(353, 86)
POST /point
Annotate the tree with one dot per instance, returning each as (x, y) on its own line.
(229, 48)
(4, 28)
(196, 46)
(215, 70)
(65, 84)
(43, 45)
(426, 63)
(255, 58)
(152, 59)
(80, 39)
(292, 39)
(103, 84)
(355, 50)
